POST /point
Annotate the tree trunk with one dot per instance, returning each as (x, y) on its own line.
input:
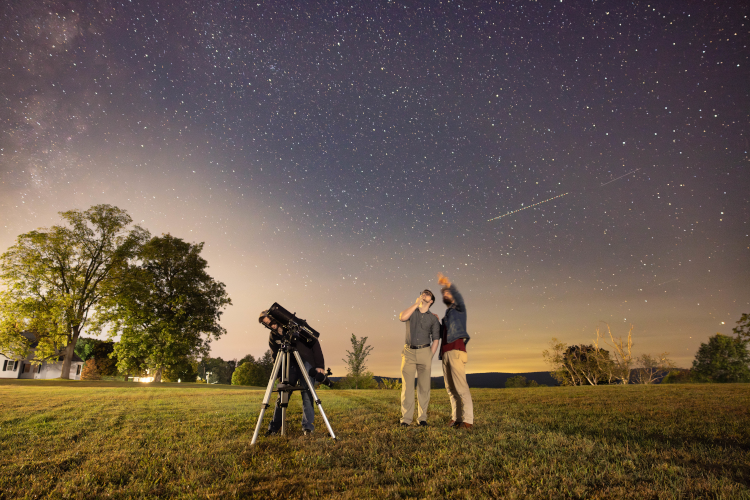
(157, 376)
(68, 356)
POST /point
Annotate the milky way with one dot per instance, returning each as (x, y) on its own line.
(335, 156)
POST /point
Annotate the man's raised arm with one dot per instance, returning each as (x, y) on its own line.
(406, 313)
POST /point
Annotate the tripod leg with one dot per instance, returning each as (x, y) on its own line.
(314, 394)
(284, 395)
(267, 397)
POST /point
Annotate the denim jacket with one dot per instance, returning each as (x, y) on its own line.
(455, 318)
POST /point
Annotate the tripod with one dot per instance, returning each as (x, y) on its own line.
(283, 361)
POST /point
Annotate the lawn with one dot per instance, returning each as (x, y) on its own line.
(94, 440)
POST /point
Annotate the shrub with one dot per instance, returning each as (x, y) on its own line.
(364, 381)
(391, 383)
(679, 376)
(515, 382)
(90, 370)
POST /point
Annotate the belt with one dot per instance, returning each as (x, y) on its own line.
(417, 346)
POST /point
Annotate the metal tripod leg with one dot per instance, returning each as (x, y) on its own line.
(267, 396)
(283, 395)
(301, 366)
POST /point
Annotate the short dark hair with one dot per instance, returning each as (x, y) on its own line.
(445, 289)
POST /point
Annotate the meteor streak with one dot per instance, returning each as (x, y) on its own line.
(613, 180)
(524, 208)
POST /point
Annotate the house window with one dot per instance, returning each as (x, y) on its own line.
(39, 370)
(78, 371)
(5, 365)
(15, 366)
(26, 368)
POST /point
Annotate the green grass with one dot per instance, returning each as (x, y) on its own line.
(94, 440)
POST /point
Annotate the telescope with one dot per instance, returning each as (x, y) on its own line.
(282, 322)
(286, 328)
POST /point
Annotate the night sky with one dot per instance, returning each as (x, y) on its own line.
(335, 156)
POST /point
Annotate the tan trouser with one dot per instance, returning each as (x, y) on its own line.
(454, 372)
(419, 361)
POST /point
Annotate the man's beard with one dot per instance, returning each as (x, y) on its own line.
(447, 301)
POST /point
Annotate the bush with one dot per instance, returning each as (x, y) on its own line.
(391, 383)
(679, 377)
(90, 370)
(516, 381)
(519, 381)
(364, 381)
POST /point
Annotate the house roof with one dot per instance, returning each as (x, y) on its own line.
(30, 335)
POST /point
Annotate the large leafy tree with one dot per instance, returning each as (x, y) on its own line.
(216, 370)
(723, 359)
(742, 330)
(166, 308)
(55, 277)
(579, 364)
(251, 371)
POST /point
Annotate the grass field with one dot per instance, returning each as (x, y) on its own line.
(94, 440)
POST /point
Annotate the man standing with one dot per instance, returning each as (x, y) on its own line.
(454, 357)
(312, 357)
(422, 336)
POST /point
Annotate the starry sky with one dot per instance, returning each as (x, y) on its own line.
(564, 163)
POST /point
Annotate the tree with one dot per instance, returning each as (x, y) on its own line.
(577, 364)
(622, 363)
(55, 277)
(185, 370)
(357, 357)
(723, 359)
(98, 357)
(166, 307)
(251, 371)
(742, 330)
(653, 368)
(85, 347)
(356, 361)
(249, 374)
(220, 371)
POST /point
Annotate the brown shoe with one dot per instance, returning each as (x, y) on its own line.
(453, 423)
(464, 425)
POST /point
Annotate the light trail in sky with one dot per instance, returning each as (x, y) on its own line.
(524, 208)
(624, 175)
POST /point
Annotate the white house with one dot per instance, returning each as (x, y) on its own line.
(22, 368)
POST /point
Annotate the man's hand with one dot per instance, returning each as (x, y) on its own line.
(320, 370)
(434, 346)
(443, 280)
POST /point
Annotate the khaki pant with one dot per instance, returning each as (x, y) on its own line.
(419, 361)
(454, 372)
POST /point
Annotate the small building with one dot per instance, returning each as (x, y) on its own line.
(11, 367)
